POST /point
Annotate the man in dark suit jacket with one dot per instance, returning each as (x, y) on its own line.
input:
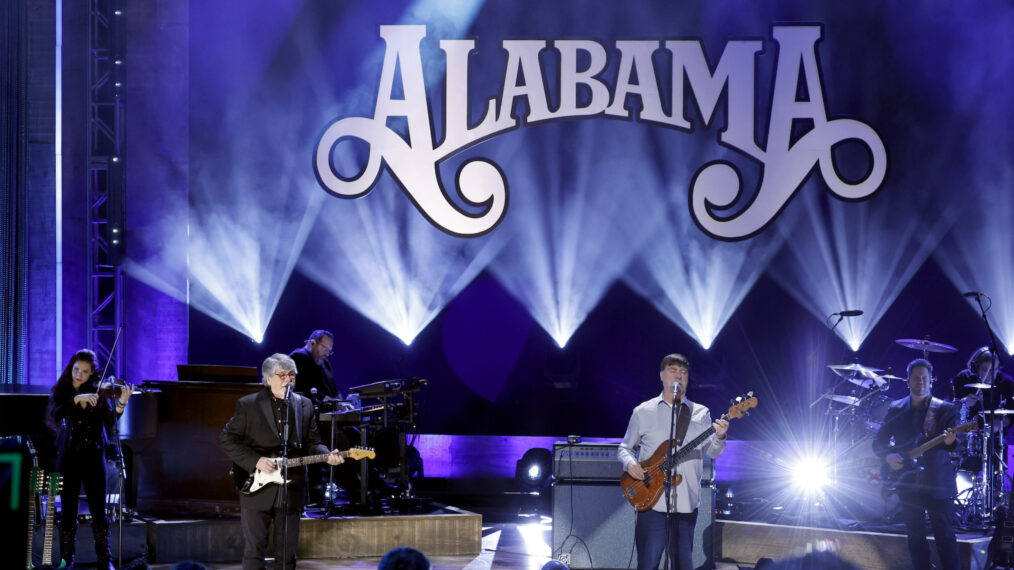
(251, 438)
(911, 421)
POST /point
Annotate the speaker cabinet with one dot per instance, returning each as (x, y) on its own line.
(594, 524)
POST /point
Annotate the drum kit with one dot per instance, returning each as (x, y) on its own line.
(857, 405)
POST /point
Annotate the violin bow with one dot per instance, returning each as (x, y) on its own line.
(112, 351)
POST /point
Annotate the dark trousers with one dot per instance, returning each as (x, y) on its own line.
(914, 507)
(89, 468)
(256, 514)
(649, 536)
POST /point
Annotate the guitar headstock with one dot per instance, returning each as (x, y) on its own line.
(741, 404)
(55, 483)
(358, 453)
(37, 481)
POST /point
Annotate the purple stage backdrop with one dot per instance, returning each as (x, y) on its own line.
(530, 204)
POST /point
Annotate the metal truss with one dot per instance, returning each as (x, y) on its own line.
(105, 185)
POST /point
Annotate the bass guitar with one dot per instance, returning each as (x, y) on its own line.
(645, 493)
(55, 485)
(249, 484)
(36, 484)
(893, 478)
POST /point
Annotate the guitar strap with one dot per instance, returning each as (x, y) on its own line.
(931, 415)
(298, 416)
(683, 424)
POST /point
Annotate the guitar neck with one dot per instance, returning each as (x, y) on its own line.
(915, 453)
(311, 459)
(47, 546)
(31, 527)
(694, 443)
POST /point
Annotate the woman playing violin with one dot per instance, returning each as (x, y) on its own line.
(82, 417)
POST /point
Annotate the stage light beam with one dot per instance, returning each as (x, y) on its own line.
(857, 256)
(576, 231)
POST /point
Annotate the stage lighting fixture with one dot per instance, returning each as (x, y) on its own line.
(810, 475)
(534, 470)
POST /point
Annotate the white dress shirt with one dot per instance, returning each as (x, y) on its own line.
(649, 428)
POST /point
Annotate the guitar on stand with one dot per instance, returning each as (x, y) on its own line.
(55, 485)
(645, 493)
(36, 484)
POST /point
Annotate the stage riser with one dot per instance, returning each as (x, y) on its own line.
(202, 541)
(746, 542)
(457, 535)
(453, 533)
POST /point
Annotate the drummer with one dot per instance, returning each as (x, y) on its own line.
(982, 371)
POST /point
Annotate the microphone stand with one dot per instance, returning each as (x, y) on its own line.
(993, 447)
(121, 475)
(992, 337)
(670, 469)
(285, 477)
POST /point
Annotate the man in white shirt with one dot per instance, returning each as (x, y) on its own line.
(648, 429)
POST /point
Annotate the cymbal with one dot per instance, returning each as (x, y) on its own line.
(979, 386)
(925, 345)
(847, 400)
(873, 381)
(998, 412)
(890, 377)
(844, 369)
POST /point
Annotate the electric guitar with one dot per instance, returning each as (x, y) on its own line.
(36, 484)
(55, 485)
(893, 478)
(645, 493)
(249, 484)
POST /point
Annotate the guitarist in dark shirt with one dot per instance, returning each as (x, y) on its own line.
(930, 487)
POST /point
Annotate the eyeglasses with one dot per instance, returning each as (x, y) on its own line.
(286, 374)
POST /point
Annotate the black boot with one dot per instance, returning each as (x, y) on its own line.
(102, 553)
(67, 536)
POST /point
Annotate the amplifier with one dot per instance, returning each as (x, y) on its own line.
(593, 461)
(598, 461)
(593, 526)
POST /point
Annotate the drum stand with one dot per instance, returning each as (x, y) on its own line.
(989, 492)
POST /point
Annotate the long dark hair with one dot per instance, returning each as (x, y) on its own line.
(66, 380)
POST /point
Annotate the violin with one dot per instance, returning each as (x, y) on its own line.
(112, 388)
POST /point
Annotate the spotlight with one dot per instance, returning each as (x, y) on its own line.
(534, 470)
(810, 475)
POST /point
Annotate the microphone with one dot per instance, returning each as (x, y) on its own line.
(971, 294)
(676, 388)
(288, 390)
(850, 313)
(313, 394)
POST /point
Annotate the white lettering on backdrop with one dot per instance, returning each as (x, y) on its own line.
(716, 186)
